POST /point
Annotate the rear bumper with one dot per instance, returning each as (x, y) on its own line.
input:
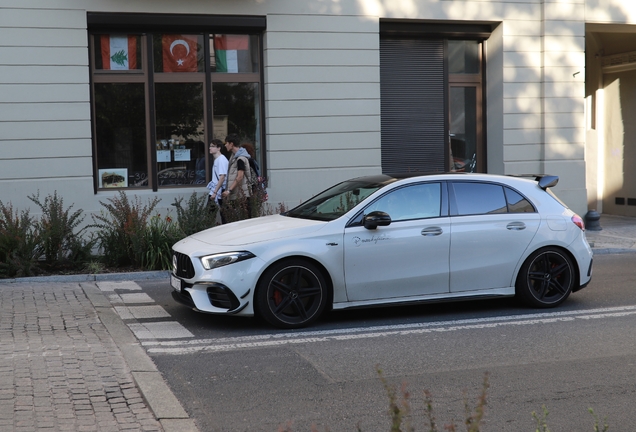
(589, 278)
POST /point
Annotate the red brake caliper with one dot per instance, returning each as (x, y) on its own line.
(278, 297)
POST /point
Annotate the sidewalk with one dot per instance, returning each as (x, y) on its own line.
(617, 235)
(69, 363)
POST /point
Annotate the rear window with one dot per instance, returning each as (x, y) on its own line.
(517, 203)
(473, 198)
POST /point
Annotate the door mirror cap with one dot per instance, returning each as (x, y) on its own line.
(375, 219)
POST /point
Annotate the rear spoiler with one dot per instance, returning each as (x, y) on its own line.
(545, 180)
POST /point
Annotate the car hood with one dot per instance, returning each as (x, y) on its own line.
(257, 230)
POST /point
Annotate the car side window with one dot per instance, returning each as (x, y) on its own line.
(517, 203)
(410, 202)
(479, 198)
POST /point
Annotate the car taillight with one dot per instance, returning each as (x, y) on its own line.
(578, 221)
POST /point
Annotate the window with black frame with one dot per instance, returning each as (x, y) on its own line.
(159, 97)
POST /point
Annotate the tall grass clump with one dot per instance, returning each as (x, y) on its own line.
(159, 236)
(19, 243)
(62, 243)
(196, 215)
(121, 229)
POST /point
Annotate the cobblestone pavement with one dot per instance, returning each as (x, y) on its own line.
(60, 369)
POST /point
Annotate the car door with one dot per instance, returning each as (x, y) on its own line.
(491, 227)
(409, 257)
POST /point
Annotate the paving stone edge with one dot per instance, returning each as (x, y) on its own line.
(154, 389)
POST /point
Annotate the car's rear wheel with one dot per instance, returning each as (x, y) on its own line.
(546, 278)
(291, 294)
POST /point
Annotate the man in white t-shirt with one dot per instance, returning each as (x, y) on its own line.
(219, 172)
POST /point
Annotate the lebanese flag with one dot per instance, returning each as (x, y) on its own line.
(180, 53)
(226, 48)
(119, 52)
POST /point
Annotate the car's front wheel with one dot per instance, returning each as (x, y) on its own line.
(546, 278)
(291, 294)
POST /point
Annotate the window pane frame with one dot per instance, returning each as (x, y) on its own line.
(144, 75)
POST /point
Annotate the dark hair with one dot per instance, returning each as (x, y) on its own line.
(234, 139)
(217, 143)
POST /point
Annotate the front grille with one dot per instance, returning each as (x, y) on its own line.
(183, 266)
(222, 297)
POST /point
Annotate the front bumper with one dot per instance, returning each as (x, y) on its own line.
(210, 297)
(226, 290)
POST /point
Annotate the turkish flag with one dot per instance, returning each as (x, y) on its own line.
(180, 53)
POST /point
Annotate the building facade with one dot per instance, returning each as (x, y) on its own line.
(98, 96)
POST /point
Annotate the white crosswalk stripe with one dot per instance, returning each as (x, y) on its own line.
(135, 307)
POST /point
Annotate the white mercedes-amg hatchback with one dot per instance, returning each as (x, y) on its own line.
(389, 240)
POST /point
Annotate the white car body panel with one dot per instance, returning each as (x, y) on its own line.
(486, 251)
(397, 260)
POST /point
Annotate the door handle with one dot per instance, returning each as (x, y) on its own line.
(432, 231)
(516, 226)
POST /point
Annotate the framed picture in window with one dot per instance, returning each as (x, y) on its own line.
(113, 177)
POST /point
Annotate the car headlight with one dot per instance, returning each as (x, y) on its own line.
(210, 262)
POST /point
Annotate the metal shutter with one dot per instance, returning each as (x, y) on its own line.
(412, 105)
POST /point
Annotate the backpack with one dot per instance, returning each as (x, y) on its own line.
(252, 175)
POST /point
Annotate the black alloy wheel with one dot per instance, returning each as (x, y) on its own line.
(291, 294)
(546, 278)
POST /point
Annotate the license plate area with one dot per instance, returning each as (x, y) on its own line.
(175, 282)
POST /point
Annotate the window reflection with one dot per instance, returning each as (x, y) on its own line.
(463, 57)
(237, 110)
(411, 202)
(517, 203)
(463, 128)
(180, 133)
(479, 198)
(120, 134)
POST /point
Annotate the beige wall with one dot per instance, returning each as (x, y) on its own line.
(321, 90)
(611, 134)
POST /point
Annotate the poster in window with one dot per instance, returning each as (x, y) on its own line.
(113, 177)
(163, 155)
(181, 155)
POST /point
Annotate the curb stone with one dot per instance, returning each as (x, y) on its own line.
(154, 389)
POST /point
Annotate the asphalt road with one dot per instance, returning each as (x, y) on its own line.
(234, 374)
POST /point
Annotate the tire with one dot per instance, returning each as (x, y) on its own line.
(546, 278)
(291, 294)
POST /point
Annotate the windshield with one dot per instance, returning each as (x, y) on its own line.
(339, 199)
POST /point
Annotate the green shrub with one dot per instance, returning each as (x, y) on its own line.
(60, 244)
(121, 230)
(197, 215)
(159, 236)
(19, 243)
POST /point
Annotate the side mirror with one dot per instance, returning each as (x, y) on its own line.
(376, 219)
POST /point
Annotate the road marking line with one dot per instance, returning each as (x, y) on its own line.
(277, 339)
(141, 312)
(160, 330)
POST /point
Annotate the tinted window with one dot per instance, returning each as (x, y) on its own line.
(410, 202)
(479, 198)
(517, 203)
